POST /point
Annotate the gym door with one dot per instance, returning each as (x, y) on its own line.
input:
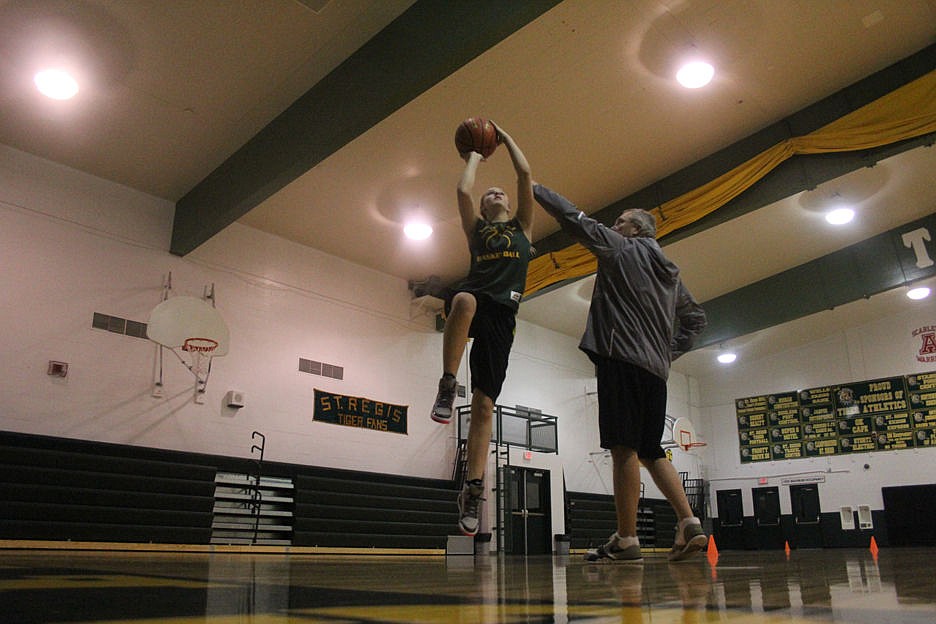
(527, 516)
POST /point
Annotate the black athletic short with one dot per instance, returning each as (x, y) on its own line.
(492, 328)
(631, 408)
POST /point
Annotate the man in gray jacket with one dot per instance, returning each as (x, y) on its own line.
(641, 318)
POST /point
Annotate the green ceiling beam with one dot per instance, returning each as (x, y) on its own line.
(424, 45)
(895, 258)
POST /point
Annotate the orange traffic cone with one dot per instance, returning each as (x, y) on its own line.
(786, 548)
(712, 551)
(873, 548)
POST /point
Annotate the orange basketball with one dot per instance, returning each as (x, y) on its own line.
(476, 134)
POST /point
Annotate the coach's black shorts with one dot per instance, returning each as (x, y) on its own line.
(631, 408)
(492, 328)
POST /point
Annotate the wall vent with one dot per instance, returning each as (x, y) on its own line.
(320, 368)
(118, 325)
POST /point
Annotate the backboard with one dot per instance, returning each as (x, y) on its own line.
(684, 434)
(180, 319)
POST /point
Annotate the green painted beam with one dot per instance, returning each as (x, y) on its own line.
(424, 45)
(897, 257)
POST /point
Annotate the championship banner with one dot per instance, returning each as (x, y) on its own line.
(350, 411)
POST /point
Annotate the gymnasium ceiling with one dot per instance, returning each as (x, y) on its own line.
(328, 122)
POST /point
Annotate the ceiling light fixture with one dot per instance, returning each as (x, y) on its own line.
(840, 216)
(56, 84)
(920, 292)
(727, 357)
(417, 231)
(695, 74)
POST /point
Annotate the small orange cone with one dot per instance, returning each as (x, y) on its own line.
(873, 548)
(712, 551)
(786, 548)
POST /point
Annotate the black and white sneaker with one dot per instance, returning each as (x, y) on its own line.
(445, 399)
(613, 551)
(469, 507)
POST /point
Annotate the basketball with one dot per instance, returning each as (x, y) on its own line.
(476, 134)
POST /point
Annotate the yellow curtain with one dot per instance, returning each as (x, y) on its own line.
(905, 113)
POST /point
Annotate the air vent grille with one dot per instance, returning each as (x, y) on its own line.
(118, 325)
(320, 368)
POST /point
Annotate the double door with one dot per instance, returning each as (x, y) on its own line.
(527, 521)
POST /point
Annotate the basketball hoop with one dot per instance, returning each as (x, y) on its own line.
(687, 440)
(200, 350)
(193, 331)
(200, 345)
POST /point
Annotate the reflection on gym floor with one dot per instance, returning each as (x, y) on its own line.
(897, 585)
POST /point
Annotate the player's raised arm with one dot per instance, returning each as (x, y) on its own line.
(524, 182)
(466, 206)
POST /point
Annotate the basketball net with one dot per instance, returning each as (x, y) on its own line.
(200, 353)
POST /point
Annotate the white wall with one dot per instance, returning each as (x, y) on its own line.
(881, 349)
(72, 245)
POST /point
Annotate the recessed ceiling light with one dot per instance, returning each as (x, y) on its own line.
(56, 84)
(417, 231)
(840, 216)
(695, 74)
(727, 357)
(921, 292)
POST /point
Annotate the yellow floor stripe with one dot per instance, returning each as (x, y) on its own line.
(213, 548)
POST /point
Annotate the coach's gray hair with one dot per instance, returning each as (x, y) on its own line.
(645, 221)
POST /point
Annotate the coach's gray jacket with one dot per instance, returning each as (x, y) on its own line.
(640, 311)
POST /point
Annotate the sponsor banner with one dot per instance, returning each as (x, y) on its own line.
(789, 416)
(922, 399)
(921, 382)
(817, 396)
(857, 444)
(893, 422)
(885, 414)
(820, 448)
(755, 437)
(894, 440)
(752, 421)
(922, 419)
(855, 426)
(751, 405)
(820, 430)
(786, 434)
(360, 412)
(783, 401)
(787, 450)
(817, 413)
(923, 438)
(755, 454)
(871, 397)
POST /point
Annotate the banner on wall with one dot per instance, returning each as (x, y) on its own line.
(880, 415)
(351, 411)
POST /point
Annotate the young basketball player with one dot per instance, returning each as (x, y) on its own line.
(484, 306)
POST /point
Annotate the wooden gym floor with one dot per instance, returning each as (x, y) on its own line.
(898, 585)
